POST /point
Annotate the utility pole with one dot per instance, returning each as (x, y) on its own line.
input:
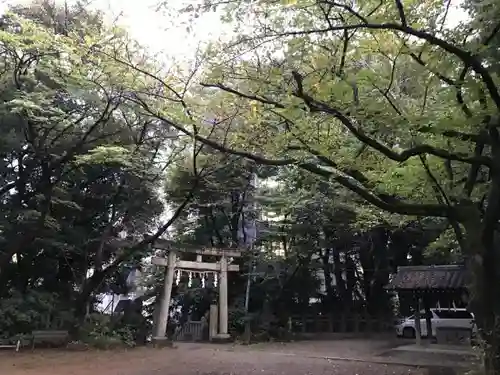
(251, 271)
(250, 241)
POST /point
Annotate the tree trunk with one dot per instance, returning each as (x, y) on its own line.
(338, 269)
(491, 359)
(327, 271)
(482, 263)
(487, 313)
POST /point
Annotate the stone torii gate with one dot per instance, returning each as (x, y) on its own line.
(173, 263)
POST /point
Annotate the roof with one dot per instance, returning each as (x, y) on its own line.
(429, 278)
(122, 305)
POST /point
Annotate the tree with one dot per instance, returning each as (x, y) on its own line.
(381, 98)
(81, 162)
(214, 218)
(484, 21)
(61, 19)
(345, 234)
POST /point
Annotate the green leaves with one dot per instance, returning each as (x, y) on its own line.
(355, 84)
(106, 155)
(81, 162)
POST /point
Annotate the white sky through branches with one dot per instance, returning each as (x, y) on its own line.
(165, 31)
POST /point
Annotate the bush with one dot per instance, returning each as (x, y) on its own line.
(22, 313)
(236, 321)
(100, 332)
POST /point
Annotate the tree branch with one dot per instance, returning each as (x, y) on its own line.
(442, 77)
(455, 134)
(257, 158)
(386, 203)
(492, 35)
(230, 90)
(98, 277)
(401, 12)
(317, 106)
(469, 59)
(470, 183)
(7, 187)
(459, 94)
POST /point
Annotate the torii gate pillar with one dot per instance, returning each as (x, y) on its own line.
(223, 304)
(160, 326)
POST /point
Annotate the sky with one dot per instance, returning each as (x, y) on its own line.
(162, 32)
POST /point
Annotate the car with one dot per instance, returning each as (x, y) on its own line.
(440, 318)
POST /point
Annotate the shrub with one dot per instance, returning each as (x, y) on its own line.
(101, 332)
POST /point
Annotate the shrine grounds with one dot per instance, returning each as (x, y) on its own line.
(343, 356)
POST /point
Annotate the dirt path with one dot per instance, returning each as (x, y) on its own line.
(184, 360)
(374, 350)
(346, 348)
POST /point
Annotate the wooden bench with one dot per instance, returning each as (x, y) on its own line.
(53, 338)
(9, 345)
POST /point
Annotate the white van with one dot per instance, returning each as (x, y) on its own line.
(440, 318)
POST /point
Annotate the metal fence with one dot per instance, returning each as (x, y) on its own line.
(191, 331)
(343, 324)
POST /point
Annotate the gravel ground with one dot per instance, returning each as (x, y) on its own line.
(185, 360)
